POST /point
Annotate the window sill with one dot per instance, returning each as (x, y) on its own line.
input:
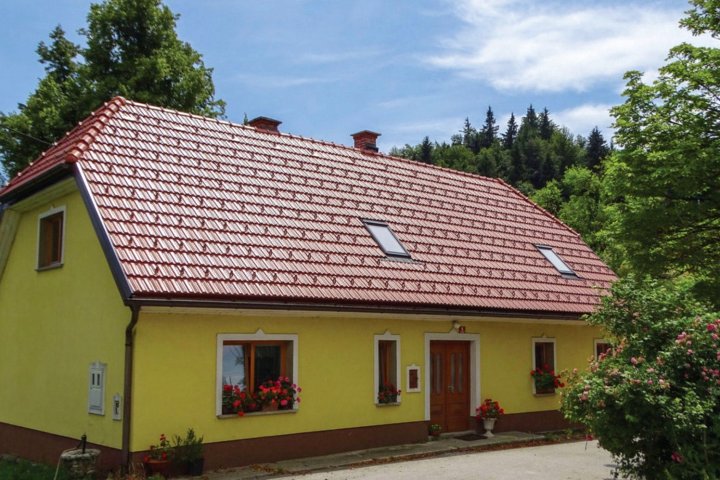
(390, 404)
(52, 266)
(545, 394)
(256, 414)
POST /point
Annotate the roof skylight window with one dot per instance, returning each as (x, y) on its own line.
(556, 261)
(386, 239)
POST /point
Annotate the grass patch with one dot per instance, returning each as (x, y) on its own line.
(18, 469)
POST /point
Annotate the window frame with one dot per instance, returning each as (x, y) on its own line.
(42, 239)
(257, 338)
(549, 254)
(368, 223)
(596, 343)
(377, 381)
(536, 341)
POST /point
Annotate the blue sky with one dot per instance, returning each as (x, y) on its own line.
(405, 68)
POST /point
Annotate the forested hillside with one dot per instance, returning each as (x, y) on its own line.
(527, 155)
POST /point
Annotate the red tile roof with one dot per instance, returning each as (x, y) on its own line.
(206, 209)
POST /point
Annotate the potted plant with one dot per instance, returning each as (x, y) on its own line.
(388, 393)
(188, 453)
(488, 412)
(237, 401)
(546, 381)
(280, 394)
(157, 461)
(434, 430)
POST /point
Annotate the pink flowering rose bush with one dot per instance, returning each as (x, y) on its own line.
(653, 400)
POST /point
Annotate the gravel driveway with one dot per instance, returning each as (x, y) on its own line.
(565, 461)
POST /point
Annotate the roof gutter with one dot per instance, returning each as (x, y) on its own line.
(127, 387)
(357, 308)
(36, 184)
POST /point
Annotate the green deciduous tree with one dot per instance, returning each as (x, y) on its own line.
(550, 197)
(49, 112)
(665, 178)
(132, 50)
(653, 400)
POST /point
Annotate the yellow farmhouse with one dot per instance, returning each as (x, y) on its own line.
(282, 296)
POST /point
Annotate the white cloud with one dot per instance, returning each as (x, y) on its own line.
(544, 46)
(582, 119)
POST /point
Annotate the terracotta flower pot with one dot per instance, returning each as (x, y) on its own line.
(155, 466)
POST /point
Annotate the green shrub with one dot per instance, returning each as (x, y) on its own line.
(653, 400)
(18, 469)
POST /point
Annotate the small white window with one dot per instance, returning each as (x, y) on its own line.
(96, 389)
(386, 239)
(412, 381)
(387, 369)
(544, 364)
(556, 261)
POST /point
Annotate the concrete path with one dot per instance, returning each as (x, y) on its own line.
(565, 461)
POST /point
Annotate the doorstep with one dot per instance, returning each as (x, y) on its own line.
(447, 444)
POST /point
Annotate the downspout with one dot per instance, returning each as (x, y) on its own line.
(127, 387)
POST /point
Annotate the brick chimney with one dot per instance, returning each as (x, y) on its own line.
(266, 124)
(366, 140)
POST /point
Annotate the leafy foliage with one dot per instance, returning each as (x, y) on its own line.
(665, 181)
(132, 50)
(18, 469)
(653, 400)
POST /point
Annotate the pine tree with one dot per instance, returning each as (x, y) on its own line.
(426, 150)
(546, 125)
(511, 132)
(469, 136)
(530, 120)
(596, 149)
(489, 130)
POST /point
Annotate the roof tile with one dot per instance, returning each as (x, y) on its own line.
(205, 208)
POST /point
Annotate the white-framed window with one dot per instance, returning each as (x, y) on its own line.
(544, 364)
(412, 379)
(600, 346)
(51, 238)
(246, 361)
(387, 369)
(96, 388)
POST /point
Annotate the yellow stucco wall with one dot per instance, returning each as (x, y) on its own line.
(175, 378)
(54, 324)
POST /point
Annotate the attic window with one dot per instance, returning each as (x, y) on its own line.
(556, 261)
(50, 238)
(386, 239)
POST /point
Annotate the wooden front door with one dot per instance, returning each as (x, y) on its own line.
(450, 385)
